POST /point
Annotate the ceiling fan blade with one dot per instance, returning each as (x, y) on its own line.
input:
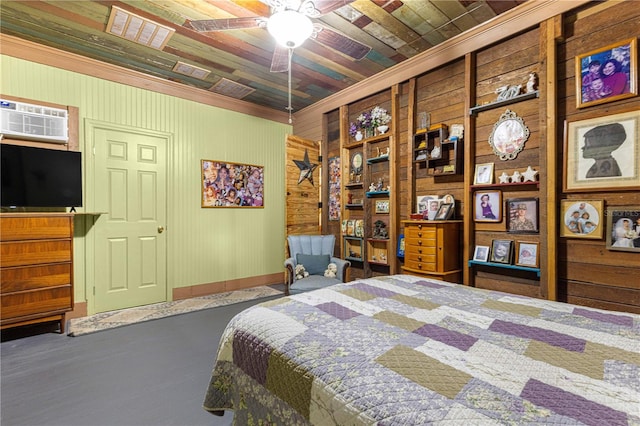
(327, 6)
(280, 61)
(226, 24)
(341, 42)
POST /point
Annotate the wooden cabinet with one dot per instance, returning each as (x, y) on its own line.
(432, 248)
(36, 261)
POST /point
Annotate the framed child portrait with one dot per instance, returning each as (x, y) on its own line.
(444, 212)
(527, 254)
(522, 215)
(481, 254)
(501, 251)
(487, 206)
(483, 174)
(606, 74)
(602, 153)
(581, 219)
(623, 228)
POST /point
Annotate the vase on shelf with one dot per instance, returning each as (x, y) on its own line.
(368, 133)
(383, 129)
(359, 136)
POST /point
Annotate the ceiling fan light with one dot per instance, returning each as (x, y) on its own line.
(290, 28)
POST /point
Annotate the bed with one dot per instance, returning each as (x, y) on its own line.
(404, 350)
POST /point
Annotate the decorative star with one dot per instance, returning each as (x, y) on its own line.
(504, 177)
(306, 168)
(516, 176)
(530, 174)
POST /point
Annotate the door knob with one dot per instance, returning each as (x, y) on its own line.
(160, 229)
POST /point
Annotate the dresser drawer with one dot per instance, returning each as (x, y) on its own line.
(18, 227)
(420, 257)
(419, 242)
(36, 302)
(420, 266)
(22, 253)
(35, 277)
(420, 232)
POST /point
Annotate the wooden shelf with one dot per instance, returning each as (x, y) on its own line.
(372, 194)
(354, 206)
(515, 185)
(498, 104)
(354, 185)
(378, 159)
(505, 266)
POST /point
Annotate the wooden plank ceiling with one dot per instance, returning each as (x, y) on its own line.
(394, 30)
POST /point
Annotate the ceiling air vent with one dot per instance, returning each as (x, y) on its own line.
(191, 70)
(231, 88)
(138, 29)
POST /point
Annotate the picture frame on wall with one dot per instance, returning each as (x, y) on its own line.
(602, 153)
(481, 254)
(501, 251)
(227, 184)
(487, 206)
(423, 201)
(527, 254)
(623, 228)
(582, 219)
(522, 215)
(483, 174)
(606, 74)
(382, 207)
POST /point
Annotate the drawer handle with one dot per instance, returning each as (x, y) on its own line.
(419, 226)
(420, 250)
(419, 266)
(420, 258)
(419, 242)
(419, 234)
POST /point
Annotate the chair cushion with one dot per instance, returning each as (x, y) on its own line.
(312, 283)
(315, 264)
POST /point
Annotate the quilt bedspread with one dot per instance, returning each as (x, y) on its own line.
(403, 350)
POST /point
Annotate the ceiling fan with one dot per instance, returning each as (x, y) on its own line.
(290, 24)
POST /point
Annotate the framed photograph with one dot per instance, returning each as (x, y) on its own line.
(445, 211)
(487, 206)
(484, 174)
(602, 153)
(522, 215)
(231, 184)
(623, 228)
(606, 74)
(423, 202)
(481, 254)
(527, 254)
(582, 219)
(508, 136)
(382, 206)
(501, 251)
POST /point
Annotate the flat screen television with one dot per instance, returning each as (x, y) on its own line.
(40, 177)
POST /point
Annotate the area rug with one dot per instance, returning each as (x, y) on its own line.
(113, 319)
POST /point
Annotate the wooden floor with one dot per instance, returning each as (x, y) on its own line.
(148, 374)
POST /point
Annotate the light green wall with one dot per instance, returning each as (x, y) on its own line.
(204, 245)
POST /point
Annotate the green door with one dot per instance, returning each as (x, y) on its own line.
(130, 193)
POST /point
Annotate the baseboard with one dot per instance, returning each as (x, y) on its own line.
(229, 285)
(79, 311)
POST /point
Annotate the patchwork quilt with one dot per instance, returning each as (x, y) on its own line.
(402, 350)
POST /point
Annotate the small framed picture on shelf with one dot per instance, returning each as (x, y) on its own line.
(484, 174)
(481, 254)
(582, 219)
(527, 254)
(522, 215)
(623, 228)
(487, 206)
(423, 202)
(501, 251)
(382, 206)
(445, 211)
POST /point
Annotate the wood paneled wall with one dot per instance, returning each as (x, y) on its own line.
(587, 273)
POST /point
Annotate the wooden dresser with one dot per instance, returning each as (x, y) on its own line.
(36, 261)
(432, 248)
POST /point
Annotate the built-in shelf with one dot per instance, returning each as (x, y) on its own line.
(513, 185)
(354, 206)
(354, 185)
(372, 194)
(378, 159)
(505, 266)
(498, 104)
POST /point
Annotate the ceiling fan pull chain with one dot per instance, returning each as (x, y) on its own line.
(290, 108)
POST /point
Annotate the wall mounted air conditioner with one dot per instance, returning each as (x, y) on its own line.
(33, 122)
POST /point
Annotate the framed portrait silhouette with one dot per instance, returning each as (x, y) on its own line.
(602, 153)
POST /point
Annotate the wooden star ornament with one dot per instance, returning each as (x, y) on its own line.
(530, 174)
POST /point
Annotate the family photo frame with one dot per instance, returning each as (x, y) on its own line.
(487, 206)
(527, 254)
(623, 228)
(227, 184)
(602, 153)
(606, 74)
(582, 219)
(501, 251)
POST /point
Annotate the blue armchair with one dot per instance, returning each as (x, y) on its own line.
(315, 252)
